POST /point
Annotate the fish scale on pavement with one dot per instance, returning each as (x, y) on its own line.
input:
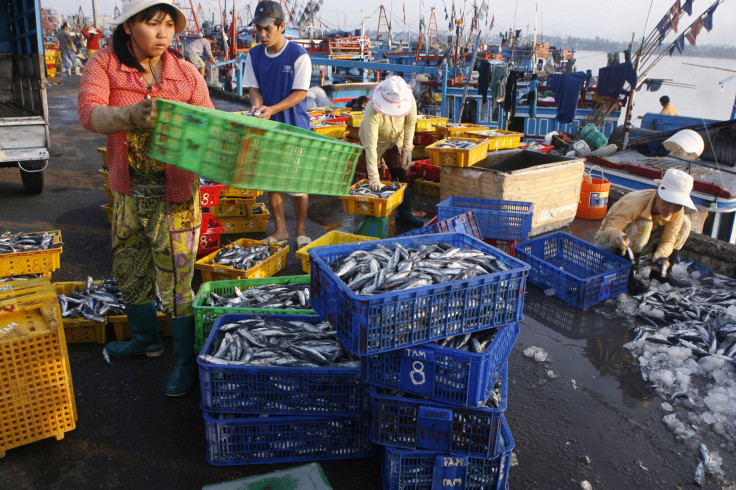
(383, 269)
(275, 296)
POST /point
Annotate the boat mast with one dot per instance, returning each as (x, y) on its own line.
(630, 102)
(534, 38)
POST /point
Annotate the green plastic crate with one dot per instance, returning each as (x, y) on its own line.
(205, 316)
(248, 152)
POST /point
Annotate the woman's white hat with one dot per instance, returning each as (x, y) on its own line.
(393, 97)
(675, 187)
(132, 7)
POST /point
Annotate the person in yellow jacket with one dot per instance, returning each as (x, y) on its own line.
(387, 131)
(649, 221)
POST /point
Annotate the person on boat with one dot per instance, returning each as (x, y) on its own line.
(667, 107)
(653, 222)
(358, 104)
(92, 35)
(194, 50)
(387, 131)
(277, 73)
(156, 215)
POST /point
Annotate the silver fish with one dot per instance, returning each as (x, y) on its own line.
(94, 302)
(364, 190)
(281, 296)
(242, 258)
(26, 242)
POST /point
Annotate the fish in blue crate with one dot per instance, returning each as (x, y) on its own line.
(385, 269)
(274, 342)
(267, 296)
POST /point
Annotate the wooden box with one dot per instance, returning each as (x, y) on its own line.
(551, 182)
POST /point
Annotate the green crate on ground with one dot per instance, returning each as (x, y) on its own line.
(205, 316)
(248, 152)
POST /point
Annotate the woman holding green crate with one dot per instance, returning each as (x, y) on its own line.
(156, 216)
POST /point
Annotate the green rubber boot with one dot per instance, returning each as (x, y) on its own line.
(144, 327)
(185, 372)
(404, 214)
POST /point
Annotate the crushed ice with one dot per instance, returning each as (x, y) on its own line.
(539, 354)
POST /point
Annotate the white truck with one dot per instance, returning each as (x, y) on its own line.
(24, 128)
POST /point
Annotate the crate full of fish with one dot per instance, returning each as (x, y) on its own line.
(332, 238)
(362, 200)
(85, 306)
(255, 222)
(388, 294)
(498, 139)
(461, 370)
(457, 152)
(505, 220)
(30, 253)
(426, 124)
(450, 129)
(243, 259)
(462, 223)
(403, 469)
(581, 274)
(240, 439)
(278, 365)
(271, 295)
(409, 422)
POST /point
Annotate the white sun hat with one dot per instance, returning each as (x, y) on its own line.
(132, 7)
(392, 97)
(675, 187)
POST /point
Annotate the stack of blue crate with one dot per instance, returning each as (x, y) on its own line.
(437, 411)
(271, 414)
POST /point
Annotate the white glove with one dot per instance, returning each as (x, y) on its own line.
(618, 239)
(375, 185)
(406, 158)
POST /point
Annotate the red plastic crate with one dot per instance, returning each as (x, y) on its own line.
(426, 170)
(209, 195)
(338, 120)
(506, 246)
(210, 223)
(423, 139)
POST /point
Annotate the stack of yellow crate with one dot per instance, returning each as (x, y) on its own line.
(239, 212)
(36, 394)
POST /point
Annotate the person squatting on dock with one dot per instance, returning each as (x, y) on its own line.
(277, 73)
(649, 221)
(156, 214)
(387, 131)
(194, 50)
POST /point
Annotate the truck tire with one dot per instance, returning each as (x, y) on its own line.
(32, 181)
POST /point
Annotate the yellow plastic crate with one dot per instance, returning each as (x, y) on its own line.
(50, 72)
(498, 139)
(333, 130)
(106, 175)
(103, 153)
(458, 157)
(80, 330)
(236, 207)
(419, 152)
(355, 120)
(122, 331)
(37, 397)
(331, 238)
(269, 267)
(32, 262)
(235, 192)
(373, 206)
(426, 124)
(247, 224)
(427, 187)
(448, 130)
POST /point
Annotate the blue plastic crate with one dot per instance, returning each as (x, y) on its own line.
(383, 322)
(453, 376)
(276, 390)
(403, 469)
(580, 273)
(503, 220)
(252, 439)
(410, 422)
(463, 223)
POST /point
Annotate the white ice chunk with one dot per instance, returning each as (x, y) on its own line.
(666, 407)
(539, 354)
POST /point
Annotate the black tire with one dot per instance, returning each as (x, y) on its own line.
(32, 181)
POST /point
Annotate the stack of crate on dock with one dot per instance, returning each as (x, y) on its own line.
(436, 410)
(36, 395)
(238, 211)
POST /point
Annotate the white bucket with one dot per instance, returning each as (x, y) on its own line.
(685, 144)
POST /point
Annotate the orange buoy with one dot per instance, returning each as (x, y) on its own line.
(593, 196)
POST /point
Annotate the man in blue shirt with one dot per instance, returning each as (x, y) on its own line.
(277, 73)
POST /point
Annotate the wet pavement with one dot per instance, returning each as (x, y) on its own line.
(595, 420)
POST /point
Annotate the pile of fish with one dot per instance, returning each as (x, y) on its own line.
(271, 296)
(475, 342)
(26, 242)
(22, 277)
(93, 302)
(242, 258)
(365, 190)
(203, 181)
(693, 317)
(458, 144)
(383, 270)
(272, 342)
